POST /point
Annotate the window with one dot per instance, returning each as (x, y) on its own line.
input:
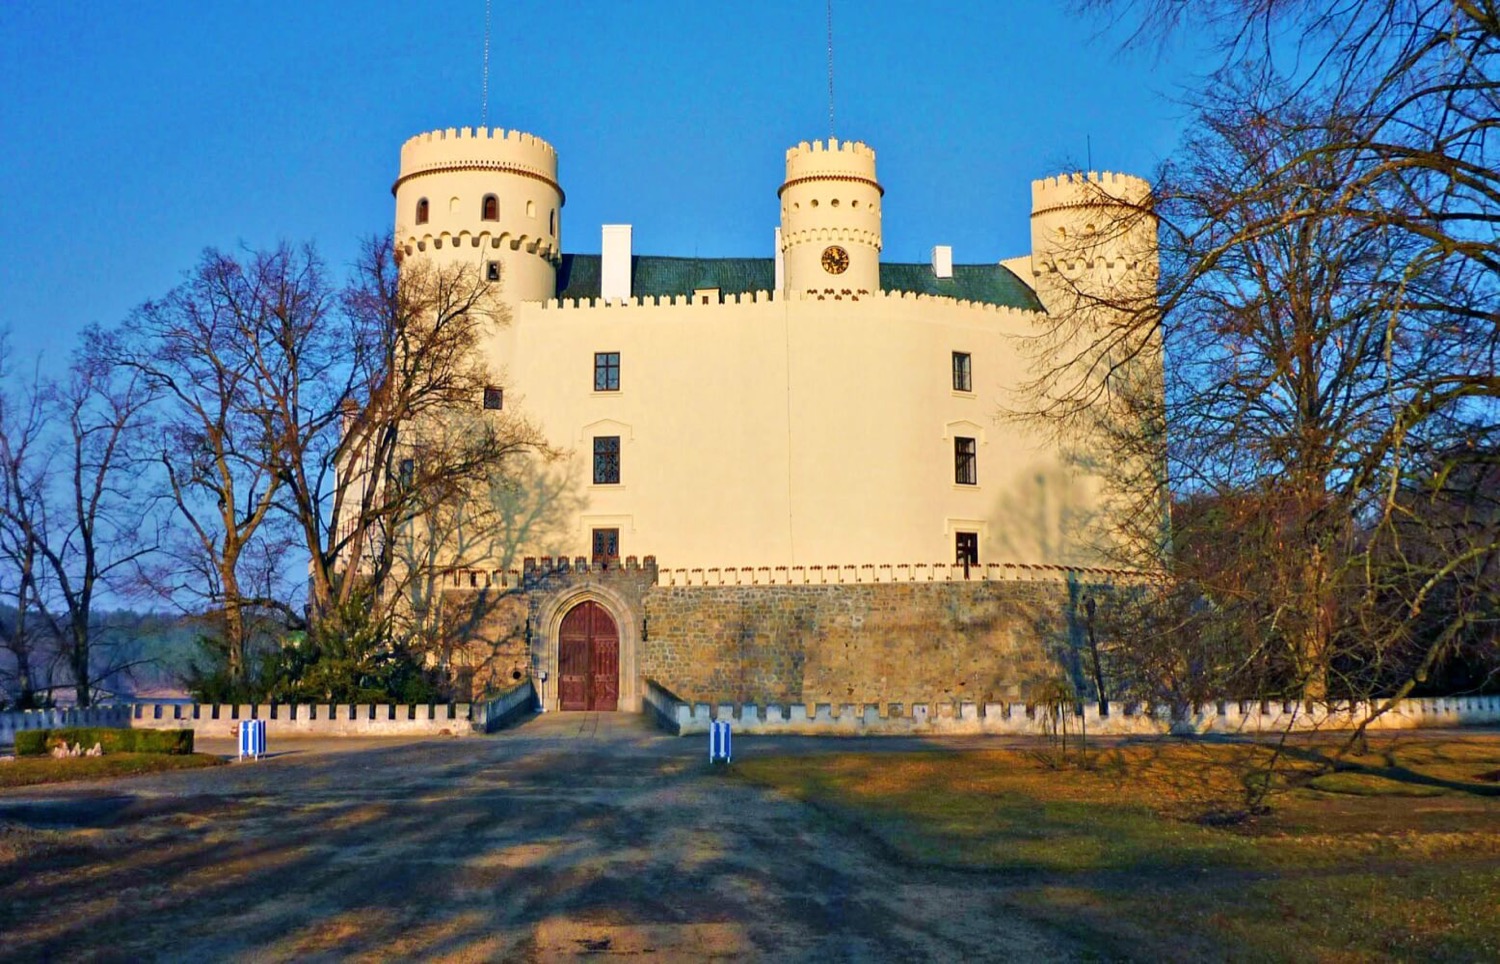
(492, 271)
(422, 211)
(405, 471)
(552, 221)
(967, 546)
(606, 460)
(606, 371)
(964, 470)
(606, 545)
(494, 398)
(963, 376)
(490, 210)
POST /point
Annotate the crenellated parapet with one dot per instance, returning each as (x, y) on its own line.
(541, 245)
(478, 148)
(1091, 189)
(833, 292)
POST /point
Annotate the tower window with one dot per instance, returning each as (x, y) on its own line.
(966, 545)
(494, 398)
(965, 472)
(422, 211)
(606, 460)
(606, 371)
(552, 221)
(492, 271)
(963, 375)
(490, 209)
(531, 209)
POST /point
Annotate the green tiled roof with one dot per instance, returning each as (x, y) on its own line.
(994, 284)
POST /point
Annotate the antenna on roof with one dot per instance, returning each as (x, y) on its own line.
(830, 69)
(484, 96)
(1088, 146)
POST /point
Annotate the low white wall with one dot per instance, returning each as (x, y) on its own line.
(307, 719)
(10, 722)
(1015, 719)
(505, 708)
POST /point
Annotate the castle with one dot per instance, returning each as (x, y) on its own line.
(778, 437)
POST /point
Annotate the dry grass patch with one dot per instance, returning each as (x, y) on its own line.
(1392, 854)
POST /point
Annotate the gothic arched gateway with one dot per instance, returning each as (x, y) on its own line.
(588, 659)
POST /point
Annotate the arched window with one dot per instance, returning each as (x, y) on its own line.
(422, 211)
(491, 211)
(552, 221)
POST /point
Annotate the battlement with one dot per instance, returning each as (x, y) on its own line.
(1080, 189)
(848, 159)
(410, 243)
(731, 302)
(482, 146)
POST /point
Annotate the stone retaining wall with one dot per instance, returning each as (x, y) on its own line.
(979, 640)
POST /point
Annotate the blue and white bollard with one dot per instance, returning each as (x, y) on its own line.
(252, 739)
(718, 742)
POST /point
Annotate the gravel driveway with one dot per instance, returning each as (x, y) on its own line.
(571, 835)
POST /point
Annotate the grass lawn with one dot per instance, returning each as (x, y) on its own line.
(1147, 851)
(27, 770)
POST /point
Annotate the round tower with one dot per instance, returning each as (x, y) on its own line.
(830, 218)
(1093, 241)
(485, 197)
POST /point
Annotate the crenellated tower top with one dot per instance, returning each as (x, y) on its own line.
(487, 197)
(1093, 242)
(830, 217)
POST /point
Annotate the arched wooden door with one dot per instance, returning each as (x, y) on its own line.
(588, 659)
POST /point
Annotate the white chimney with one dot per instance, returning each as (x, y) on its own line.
(942, 261)
(780, 265)
(614, 268)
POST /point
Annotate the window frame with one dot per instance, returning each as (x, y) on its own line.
(495, 393)
(606, 460)
(606, 363)
(595, 556)
(969, 540)
(965, 460)
(488, 203)
(424, 210)
(963, 372)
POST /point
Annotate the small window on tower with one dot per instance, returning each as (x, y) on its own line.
(491, 208)
(492, 271)
(963, 374)
(422, 211)
(494, 398)
(552, 222)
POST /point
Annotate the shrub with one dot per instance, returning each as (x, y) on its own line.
(111, 740)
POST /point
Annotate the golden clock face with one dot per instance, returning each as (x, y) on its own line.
(835, 260)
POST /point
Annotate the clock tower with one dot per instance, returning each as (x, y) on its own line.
(830, 219)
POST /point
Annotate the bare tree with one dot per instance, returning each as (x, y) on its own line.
(223, 350)
(1331, 332)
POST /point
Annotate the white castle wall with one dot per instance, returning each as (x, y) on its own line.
(797, 430)
(12, 721)
(221, 721)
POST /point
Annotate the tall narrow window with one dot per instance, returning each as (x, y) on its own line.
(405, 471)
(606, 460)
(422, 211)
(964, 455)
(494, 398)
(606, 371)
(963, 375)
(490, 210)
(606, 545)
(492, 271)
(552, 221)
(967, 546)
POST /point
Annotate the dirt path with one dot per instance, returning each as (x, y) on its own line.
(574, 835)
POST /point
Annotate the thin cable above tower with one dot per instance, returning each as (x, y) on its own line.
(484, 96)
(830, 68)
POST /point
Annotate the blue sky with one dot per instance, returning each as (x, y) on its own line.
(134, 135)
